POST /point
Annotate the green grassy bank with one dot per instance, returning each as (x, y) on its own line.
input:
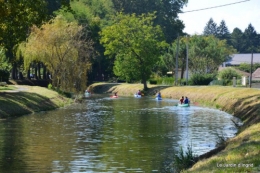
(18, 100)
(241, 153)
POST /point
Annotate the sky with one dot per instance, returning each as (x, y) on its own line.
(238, 15)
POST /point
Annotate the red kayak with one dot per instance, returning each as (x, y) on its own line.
(113, 96)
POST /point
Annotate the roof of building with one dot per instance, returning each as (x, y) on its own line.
(242, 73)
(256, 73)
(237, 59)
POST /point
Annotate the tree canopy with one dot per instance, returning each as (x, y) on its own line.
(166, 13)
(206, 53)
(136, 45)
(63, 49)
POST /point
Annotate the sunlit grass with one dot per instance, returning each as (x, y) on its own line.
(28, 99)
(9, 87)
(242, 149)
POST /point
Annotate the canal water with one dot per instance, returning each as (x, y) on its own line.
(102, 134)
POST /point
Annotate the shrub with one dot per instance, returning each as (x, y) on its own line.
(228, 74)
(184, 160)
(49, 86)
(168, 81)
(153, 81)
(162, 81)
(202, 79)
(4, 75)
(217, 82)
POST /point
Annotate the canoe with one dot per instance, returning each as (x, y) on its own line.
(138, 96)
(183, 105)
(113, 96)
(158, 98)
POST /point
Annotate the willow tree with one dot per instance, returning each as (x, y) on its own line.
(64, 49)
(135, 43)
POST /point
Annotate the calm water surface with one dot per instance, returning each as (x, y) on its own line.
(109, 135)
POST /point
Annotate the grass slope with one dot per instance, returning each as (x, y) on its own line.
(21, 100)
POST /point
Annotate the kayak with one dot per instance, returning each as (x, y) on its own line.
(113, 96)
(158, 98)
(183, 105)
(87, 94)
(137, 95)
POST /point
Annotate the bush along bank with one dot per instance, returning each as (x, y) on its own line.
(239, 154)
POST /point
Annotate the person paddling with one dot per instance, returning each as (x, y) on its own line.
(159, 94)
(186, 100)
(182, 100)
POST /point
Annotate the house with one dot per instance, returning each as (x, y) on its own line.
(242, 73)
(237, 59)
(256, 74)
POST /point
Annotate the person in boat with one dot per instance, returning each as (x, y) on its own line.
(115, 94)
(159, 94)
(181, 99)
(186, 100)
(139, 92)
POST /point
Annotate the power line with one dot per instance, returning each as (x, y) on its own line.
(215, 6)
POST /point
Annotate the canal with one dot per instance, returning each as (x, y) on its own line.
(102, 134)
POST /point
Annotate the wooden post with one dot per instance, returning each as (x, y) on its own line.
(176, 65)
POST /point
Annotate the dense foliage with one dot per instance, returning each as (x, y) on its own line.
(228, 74)
(247, 67)
(64, 49)
(205, 53)
(166, 13)
(202, 79)
(244, 42)
(136, 45)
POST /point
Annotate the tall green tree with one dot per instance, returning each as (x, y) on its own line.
(136, 45)
(94, 14)
(237, 40)
(169, 57)
(166, 13)
(252, 39)
(15, 20)
(211, 28)
(223, 32)
(64, 49)
(14, 24)
(207, 53)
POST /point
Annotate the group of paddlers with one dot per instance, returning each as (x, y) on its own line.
(184, 100)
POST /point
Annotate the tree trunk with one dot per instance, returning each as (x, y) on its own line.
(28, 74)
(35, 72)
(145, 84)
(14, 71)
(44, 72)
(39, 70)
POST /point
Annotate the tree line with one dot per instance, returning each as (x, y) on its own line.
(76, 42)
(246, 41)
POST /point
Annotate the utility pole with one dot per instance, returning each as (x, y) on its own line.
(251, 69)
(187, 62)
(176, 63)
